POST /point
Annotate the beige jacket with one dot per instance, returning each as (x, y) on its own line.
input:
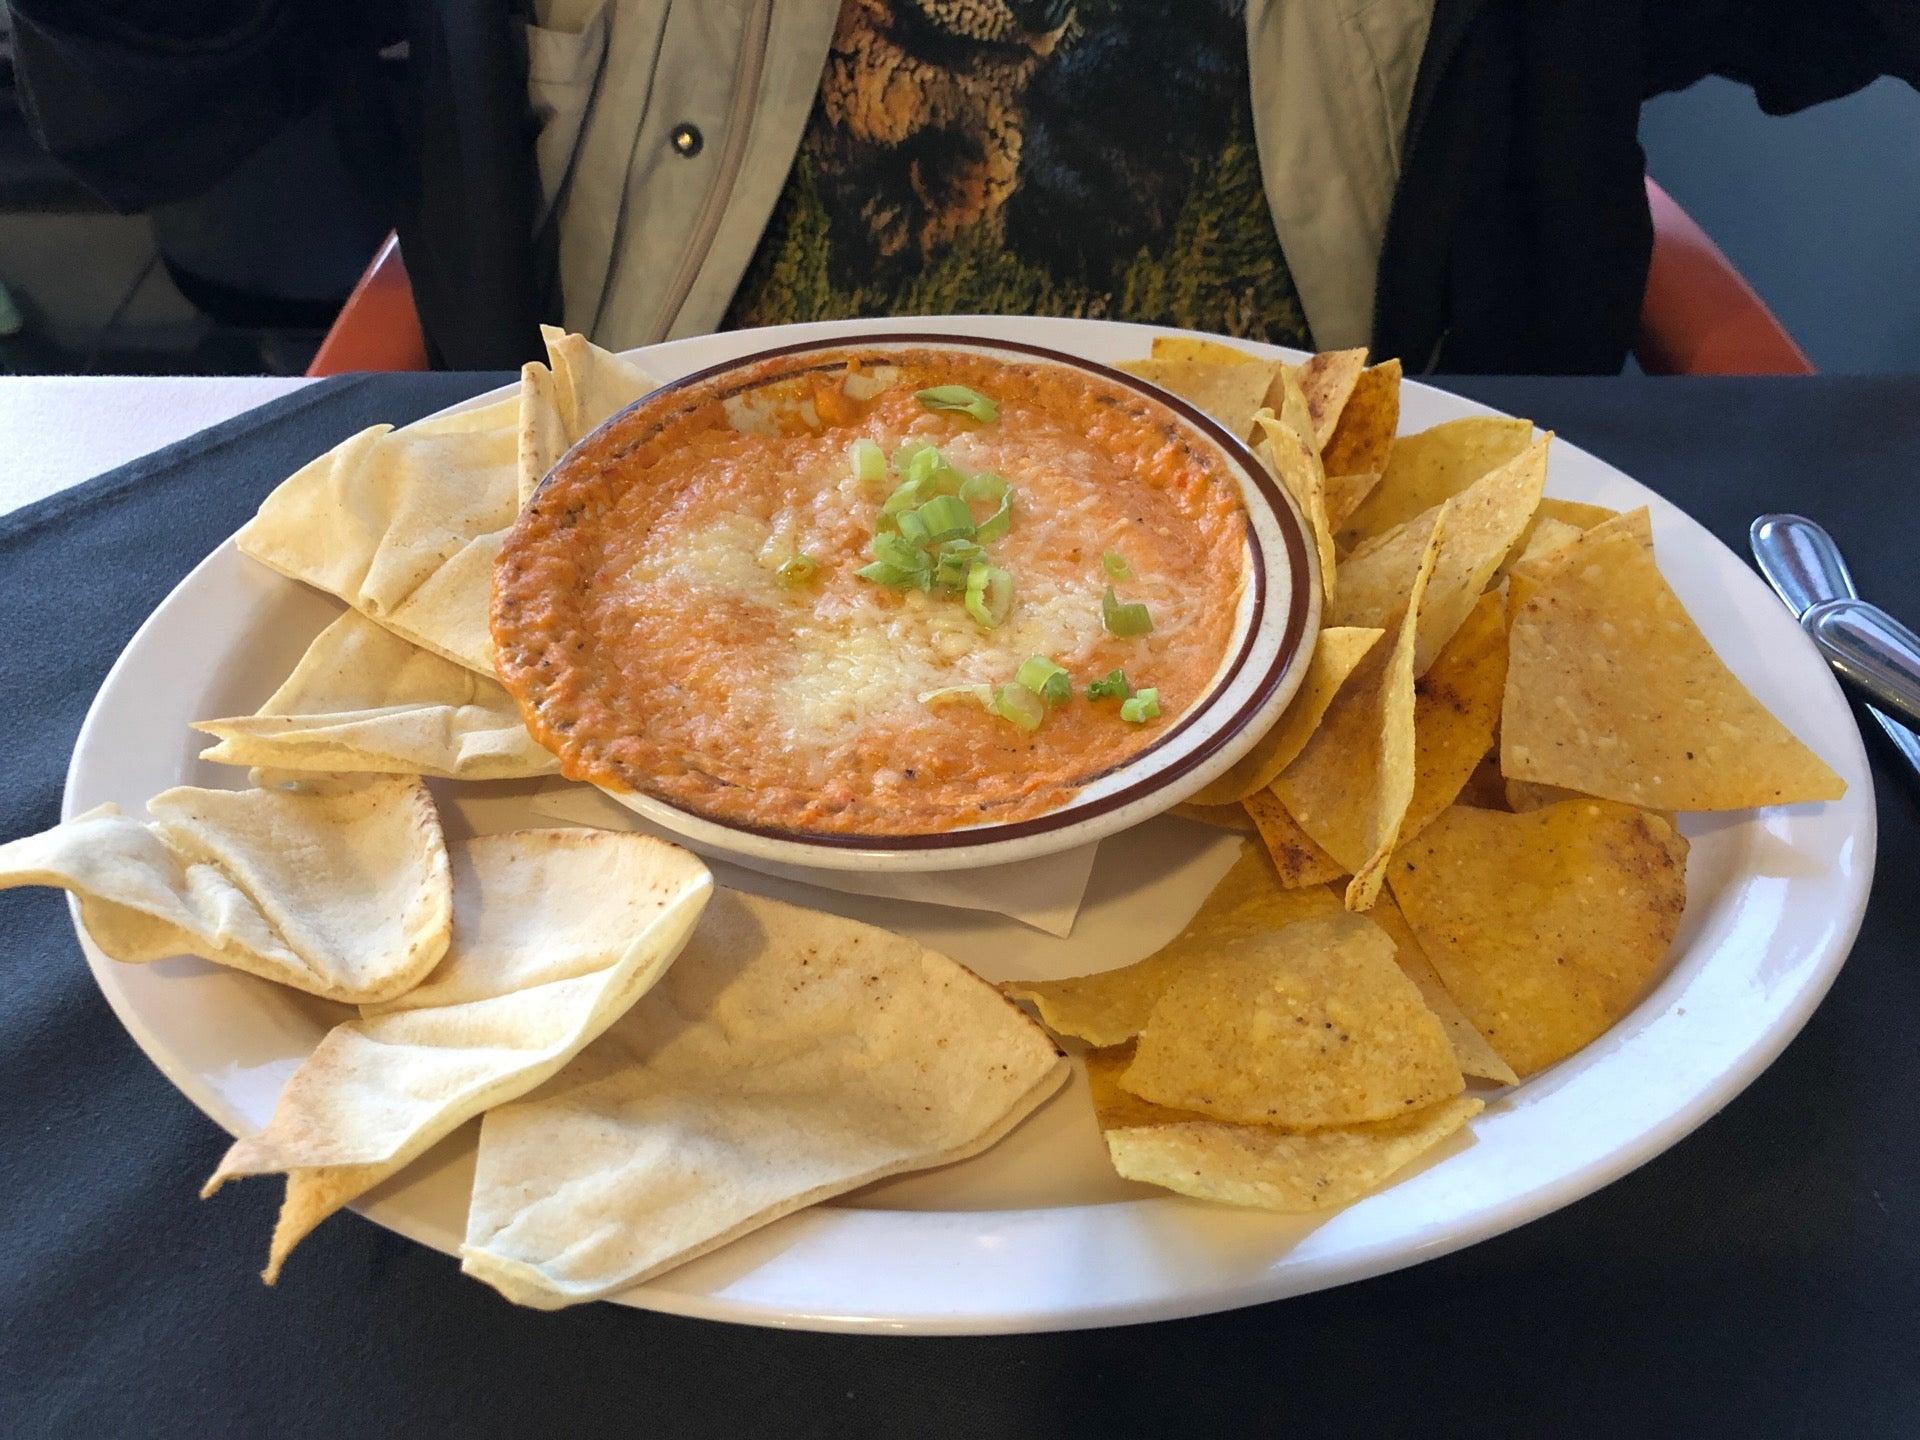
(667, 131)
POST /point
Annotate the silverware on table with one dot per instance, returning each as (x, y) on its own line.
(1804, 566)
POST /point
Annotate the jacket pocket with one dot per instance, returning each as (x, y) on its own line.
(1393, 36)
(564, 59)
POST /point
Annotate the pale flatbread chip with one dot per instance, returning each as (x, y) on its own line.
(1351, 784)
(1434, 465)
(344, 895)
(1363, 440)
(1259, 1166)
(1335, 654)
(556, 933)
(1548, 927)
(787, 1057)
(1230, 393)
(362, 698)
(1483, 522)
(1613, 691)
(1110, 1006)
(561, 406)
(1305, 1027)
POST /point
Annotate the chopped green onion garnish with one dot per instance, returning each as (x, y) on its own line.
(1124, 620)
(989, 594)
(1113, 686)
(1046, 679)
(903, 457)
(869, 463)
(945, 517)
(880, 572)
(909, 494)
(958, 397)
(984, 486)
(1116, 565)
(1020, 705)
(912, 526)
(981, 693)
(954, 560)
(1141, 708)
(797, 570)
(899, 552)
(996, 525)
(922, 466)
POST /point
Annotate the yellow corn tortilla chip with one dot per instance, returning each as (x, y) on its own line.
(1326, 382)
(1548, 927)
(1335, 654)
(1486, 787)
(1434, 465)
(1613, 691)
(1305, 1027)
(1530, 570)
(1296, 858)
(1456, 711)
(1351, 784)
(1229, 393)
(1363, 439)
(1222, 817)
(1525, 796)
(1483, 522)
(1540, 539)
(1344, 494)
(1470, 1048)
(1109, 1007)
(1258, 1166)
(1576, 513)
(1297, 468)
(1211, 352)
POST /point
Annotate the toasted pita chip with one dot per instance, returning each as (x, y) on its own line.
(362, 698)
(1483, 522)
(543, 432)
(1363, 440)
(1548, 927)
(1296, 858)
(1470, 1048)
(1259, 1166)
(1221, 817)
(787, 1057)
(1613, 691)
(1335, 654)
(1304, 1027)
(1434, 465)
(343, 895)
(1344, 494)
(556, 933)
(1351, 784)
(561, 406)
(1297, 467)
(1230, 393)
(1110, 1006)
(1326, 382)
(403, 526)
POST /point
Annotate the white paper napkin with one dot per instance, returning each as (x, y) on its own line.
(1044, 893)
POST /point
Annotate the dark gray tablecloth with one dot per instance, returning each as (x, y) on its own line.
(1760, 1279)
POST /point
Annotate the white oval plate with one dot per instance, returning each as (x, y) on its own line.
(1039, 1233)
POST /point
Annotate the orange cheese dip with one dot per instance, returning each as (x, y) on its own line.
(639, 620)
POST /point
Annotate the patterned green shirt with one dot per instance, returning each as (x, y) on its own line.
(1033, 157)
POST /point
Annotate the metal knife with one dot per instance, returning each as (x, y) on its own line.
(1802, 563)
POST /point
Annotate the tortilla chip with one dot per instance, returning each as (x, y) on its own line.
(1257, 1165)
(1344, 494)
(1483, 522)
(1546, 928)
(1351, 784)
(1613, 691)
(556, 933)
(1542, 537)
(363, 699)
(1434, 465)
(1576, 513)
(1110, 1007)
(1456, 711)
(1363, 440)
(1229, 393)
(787, 1057)
(1470, 1048)
(1209, 352)
(1297, 468)
(344, 895)
(1335, 654)
(1297, 860)
(1221, 817)
(1305, 1027)
(1326, 383)
(1486, 787)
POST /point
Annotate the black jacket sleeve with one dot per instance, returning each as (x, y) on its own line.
(1794, 53)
